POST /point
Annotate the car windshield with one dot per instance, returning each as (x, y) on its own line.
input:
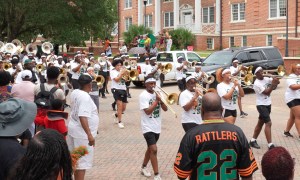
(219, 58)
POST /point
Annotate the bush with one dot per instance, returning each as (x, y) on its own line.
(134, 31)
(181, 38)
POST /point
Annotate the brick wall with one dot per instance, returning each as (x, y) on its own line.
(288, 61)
(294, 47)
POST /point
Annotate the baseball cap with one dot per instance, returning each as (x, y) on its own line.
(27, 61)
(84, 79)
(153, 59)
(26, 74)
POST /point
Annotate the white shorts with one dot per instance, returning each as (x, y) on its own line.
(85, 162)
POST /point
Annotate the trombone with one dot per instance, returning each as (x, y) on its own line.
(131, 75)
(280, 71)
(166, 68)
(200, 87)
(99, 79)
(39, 67)
(171, 99)
(248, 79)
(7, 66)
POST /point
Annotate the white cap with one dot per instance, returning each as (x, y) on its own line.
(179, 57)
(150, 80)
(189, 77)
(26, 74)
(257, 69)
(89, 68)
(153, 58)
(59, 57)
(226, 71)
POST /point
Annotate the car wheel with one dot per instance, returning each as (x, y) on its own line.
(138, 83)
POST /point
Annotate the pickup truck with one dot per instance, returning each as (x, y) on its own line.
(164, 58)
(268, 57)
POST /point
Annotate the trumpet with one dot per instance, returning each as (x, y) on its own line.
(280, 70)
(63, 79)
(166, 68)
(208, 79)
(171, 99)
(201, 88)
(7, 66)
(39, 67)
(99, 79)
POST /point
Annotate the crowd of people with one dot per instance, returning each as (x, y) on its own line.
(37, 135)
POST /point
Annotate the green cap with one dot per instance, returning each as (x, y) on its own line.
(27, 61)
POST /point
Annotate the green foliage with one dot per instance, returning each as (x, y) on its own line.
(181, 38)
(134, 31)
(61, 21)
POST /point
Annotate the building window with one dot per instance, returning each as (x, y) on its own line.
(148, 21)
(269, 40)
(128, 23)
(149, 2)
(210, 43)
(128, 3)
(208, 15)
(238, 12)
(244, 41)
(169, 19)
(168, 0)
(231, 42)
(277, 8)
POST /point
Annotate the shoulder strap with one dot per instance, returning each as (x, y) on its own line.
(42, 86)
(53, 90)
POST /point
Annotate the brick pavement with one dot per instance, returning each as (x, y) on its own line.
(119, 152)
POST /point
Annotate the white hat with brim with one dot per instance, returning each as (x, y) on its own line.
(26, 74)
(189, 78)
(16, 115)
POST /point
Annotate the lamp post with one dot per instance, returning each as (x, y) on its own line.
(145, 3)
(287, 30)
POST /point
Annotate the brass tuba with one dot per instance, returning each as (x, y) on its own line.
(47, 47)
(31, 48)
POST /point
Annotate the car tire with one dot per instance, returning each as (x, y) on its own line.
(138, 83)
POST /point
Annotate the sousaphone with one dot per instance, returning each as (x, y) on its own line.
(31, 48)
(47, 47)
(19, 45)
(10, 48)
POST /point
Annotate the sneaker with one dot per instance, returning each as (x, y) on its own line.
(129, 96)
(254, 144)
(272, 146)
(287, 134)
(243, 114)
(121, 125)
(115, 116)
(145, 172)
(113, 105)
(157, 177)
(103, 96)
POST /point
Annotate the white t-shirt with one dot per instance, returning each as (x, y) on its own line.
(82, 105)
(223, 89)
(75, 75)
(152, 122)
(180, 74)
(289, 93)
(117, 85)
(259, 87)
(194, 114)
(234, 70)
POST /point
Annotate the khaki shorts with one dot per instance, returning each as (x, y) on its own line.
(85, 162)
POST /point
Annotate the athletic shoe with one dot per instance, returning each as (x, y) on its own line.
(121, 125)
(113, 105)
(115, 116)
(272, 146)
(145, 172)
(129, 96)
(103, 96)
(243, 114)
(157, 177)
(254, 144)
(287, 134)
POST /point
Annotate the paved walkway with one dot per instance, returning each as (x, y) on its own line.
(119, 152)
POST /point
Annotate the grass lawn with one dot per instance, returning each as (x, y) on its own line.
(204, 54)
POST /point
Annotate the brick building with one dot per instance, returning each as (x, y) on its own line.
(219, 24)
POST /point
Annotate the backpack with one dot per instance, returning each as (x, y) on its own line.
(5, 93)
(43, 98)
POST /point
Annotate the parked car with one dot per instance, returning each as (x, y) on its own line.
(269, 58)
(164, 58)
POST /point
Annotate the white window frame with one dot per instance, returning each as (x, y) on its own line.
(242, 43)
(239, 12)
(277, 10)
(167, 1)
(169, 18)
(147, 21)
(128, 3)
(149, 2)
(212, 43)
(128, 23)
(208, 15)
(230, 41)
(267, 40)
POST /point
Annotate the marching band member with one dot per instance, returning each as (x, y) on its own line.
(16, 67)
(150, 107)
(28, 65)
(154, 71)
(104, 71)
(190, 100)
(77, 69)
(95, 88)
(263, 87)
(119, 90)
(229, 92)
(236, 71)
(129, 81)
(292, 99)
(59, 62)
(181, 68)
(198, 74)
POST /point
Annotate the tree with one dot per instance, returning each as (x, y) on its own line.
(135, 30)
(62, 21)
(181, 38)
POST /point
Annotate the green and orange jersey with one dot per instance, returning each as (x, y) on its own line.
(215, 150)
